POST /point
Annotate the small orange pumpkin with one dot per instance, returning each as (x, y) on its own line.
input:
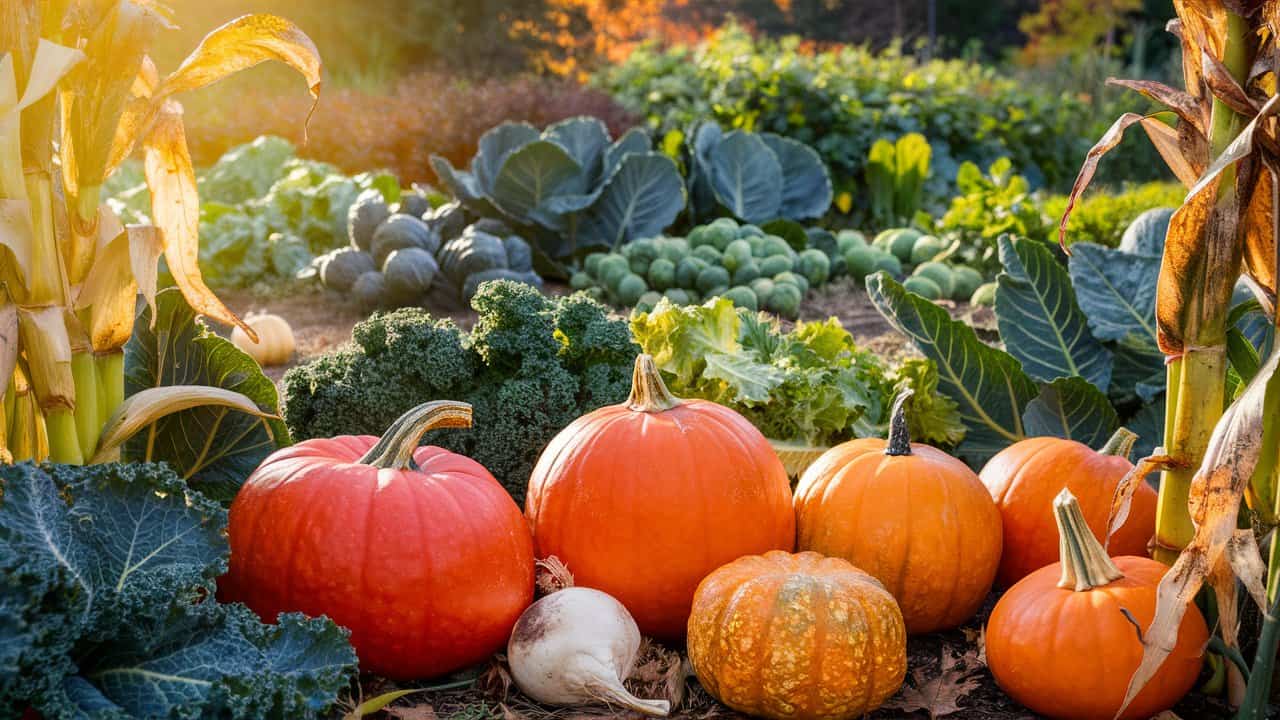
(914, 517)
(643, 499)
(1059, 642)
(797, 636)
(1024, 478)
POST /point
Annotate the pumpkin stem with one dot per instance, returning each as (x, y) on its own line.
(394, 450)
(1085, 565)
(899, 434)
(1121, 443)
(648, 392)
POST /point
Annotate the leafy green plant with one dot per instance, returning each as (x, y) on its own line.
(987, 206)
(569, 188)
(896, 173)
(811, 385)
(264, 213)
(1079, 354)
(214, 448)
(840, 101)
(530, 366)
(754, 177)
(107, 583)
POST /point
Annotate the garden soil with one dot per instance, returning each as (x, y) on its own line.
(946, 677)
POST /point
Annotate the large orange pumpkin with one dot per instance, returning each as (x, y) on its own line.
(643, 499)
(1026, 476)
(418, 551)
(797, 637)
(1059, 641)
(914, 517)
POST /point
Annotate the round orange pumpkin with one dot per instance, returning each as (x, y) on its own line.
(416, 550)
(1025, 477)
(1059, 642)
(796, 637)
(912, 516)
(643, 499)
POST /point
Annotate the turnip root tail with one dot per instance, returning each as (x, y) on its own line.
(617, 695)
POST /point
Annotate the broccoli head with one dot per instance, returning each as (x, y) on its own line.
(530, 366)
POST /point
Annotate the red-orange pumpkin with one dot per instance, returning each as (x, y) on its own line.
(1059, 641)
(642, 500)
(912, 516)
(1025, 477)
(418, 551)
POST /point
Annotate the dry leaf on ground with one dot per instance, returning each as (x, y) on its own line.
(940, 695)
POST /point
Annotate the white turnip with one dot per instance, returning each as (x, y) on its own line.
(576, 646)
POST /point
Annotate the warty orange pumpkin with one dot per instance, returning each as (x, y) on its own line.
(416, 550)
(1025, 477)
(912, 516)
(1059, 641)
(798, 637)
(642, 500)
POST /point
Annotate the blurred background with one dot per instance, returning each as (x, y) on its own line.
(979, 78)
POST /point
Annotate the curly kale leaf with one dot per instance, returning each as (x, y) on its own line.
(107, 580)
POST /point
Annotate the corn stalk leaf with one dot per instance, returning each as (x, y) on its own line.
(1260, 234)
(1216, 492)
(213, 448)
(175, 207)
(1040, 321)
(1122, 499)
(241, 44)
(8, 340)
(16, 234)
(987, 384)
(1182, 103)
(43, 335)
(124, 266)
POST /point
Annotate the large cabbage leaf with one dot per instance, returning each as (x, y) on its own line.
(494, 147)
(642, 198)
(806, 186)
(747, 177)
(585, 139)
(117, 563)
(214, 447)
(1040, 321)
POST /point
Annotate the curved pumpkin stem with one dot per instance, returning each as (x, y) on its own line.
(1085, 565)
(648, 392)
(899, 434)
(394, 450)
(1121, 443)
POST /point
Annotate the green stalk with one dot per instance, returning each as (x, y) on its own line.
(110, 384)
(87, 415)
(64, 439)
(1197, 380)
(1254, 706)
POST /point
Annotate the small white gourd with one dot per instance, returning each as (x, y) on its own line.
(275, 339)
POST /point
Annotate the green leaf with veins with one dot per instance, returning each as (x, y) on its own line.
(213, 448)
(1074, 409)
(1040, 321)
(987, 384)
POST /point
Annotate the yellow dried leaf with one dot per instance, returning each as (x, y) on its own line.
(1260, 232)
(147, 406)
(241, 44)
(1105, 144)
(1216, 492)
(1183, 104)
(126, 264)
(8, 339)
(1122, 498)
(43, 333)
(175, 208)
(1181, 148)
(16, 235)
